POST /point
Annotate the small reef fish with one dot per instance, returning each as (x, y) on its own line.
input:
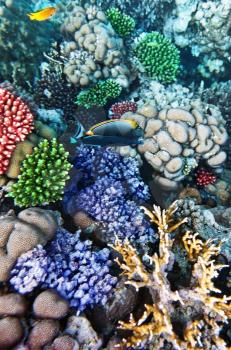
(113, 133)
(42, 15)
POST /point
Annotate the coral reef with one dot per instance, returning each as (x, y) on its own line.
(22, 233)
(175, 135)
(199, 313)
(43, 175)
(21, 50)
(99, 94)
(69, 266)
(119, 108)
(159, 58)
(121, 23)
(204, 28)
(205, 177)
(93, 50)
(16, 122)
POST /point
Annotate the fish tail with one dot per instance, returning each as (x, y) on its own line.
(31, 16)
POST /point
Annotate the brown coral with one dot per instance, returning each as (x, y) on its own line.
(201, 314)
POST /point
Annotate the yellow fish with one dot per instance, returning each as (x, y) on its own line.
(42, 15)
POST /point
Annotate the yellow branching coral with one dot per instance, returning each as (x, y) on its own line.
(201, 313)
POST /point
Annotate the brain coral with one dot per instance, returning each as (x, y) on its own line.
(21, 233)
(176, 137)
(16, 121)
(93, 50)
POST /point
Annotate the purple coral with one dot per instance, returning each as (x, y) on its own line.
(73, 269)
(98, 162)
(106, 201)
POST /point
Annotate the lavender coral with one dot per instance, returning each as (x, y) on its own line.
(69, 266)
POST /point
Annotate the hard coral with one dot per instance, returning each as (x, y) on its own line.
(19, 234)
(16, 122)
(99, 94)
(69, 266)
(43, 175)
(205, 177)
(123, 24)
(199, 313)
(158, 56)
(119, 108)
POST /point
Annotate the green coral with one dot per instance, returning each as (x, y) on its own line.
(42, 176)
(159, 57)
(99, 94)
(122, 24)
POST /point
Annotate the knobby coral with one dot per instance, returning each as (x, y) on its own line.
(16, 121)
(99, 94)
(43, 175)
(197, 308)
(69, 266)
(159, 57)
(123, 24)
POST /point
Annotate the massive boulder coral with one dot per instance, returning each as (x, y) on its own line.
(93, 50)
(204, 27)
(176, 139)
(21, 233)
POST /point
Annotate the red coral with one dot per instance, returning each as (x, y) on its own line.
(118, 109)
(16, 122)
(205, 177)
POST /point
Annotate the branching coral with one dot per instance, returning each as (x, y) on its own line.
(202, 312)
(158, 56)
(123, 24)
(99, 94)
(43, 175)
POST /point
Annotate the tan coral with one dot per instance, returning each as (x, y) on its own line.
(203, 323)
(21, 233)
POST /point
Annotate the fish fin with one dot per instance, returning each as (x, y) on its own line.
(31, 16)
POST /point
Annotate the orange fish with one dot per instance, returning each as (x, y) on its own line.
(42, 15)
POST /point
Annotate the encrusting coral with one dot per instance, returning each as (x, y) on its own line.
(197, 309)
(43, 175)
(93, 50)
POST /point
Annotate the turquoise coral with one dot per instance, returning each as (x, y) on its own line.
(43, 175)
(122, 24)
(159, 57)
(99, 94)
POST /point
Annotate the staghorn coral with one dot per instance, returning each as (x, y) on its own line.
(93, 51)
(158, 56)
(175, 135)
(21, 233)
(43, 175)
(69, 266)
(99, 94)
(199, 313)
(204, 27)
(123, 24)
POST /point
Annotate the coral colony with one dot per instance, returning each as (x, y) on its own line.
(107, 242)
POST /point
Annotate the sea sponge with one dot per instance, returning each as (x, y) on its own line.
(93, 50)
(18, 234)
(49, 304)
(175, 136)
(123, 24)
(43, 175)
(99, 94)
(159, 57)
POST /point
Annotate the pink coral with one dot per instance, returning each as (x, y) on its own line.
(16, 121)
(118, 109)
(205, 177)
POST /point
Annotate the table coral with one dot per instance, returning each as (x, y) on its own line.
(23, 232)
(158, 56)
(93, 51)
(174, 134)
(69, 266)
(43, 175)
(16, 122)
(202, 314)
